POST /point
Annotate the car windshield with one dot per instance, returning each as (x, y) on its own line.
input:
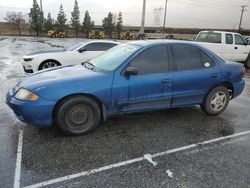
(114, 57)
(74, 47)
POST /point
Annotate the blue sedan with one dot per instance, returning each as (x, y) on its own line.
(133, 77)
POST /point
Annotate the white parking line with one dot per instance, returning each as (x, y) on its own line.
(120, 164)
(18, 160)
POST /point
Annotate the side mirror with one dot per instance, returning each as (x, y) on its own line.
(81, 50)
(131, 71)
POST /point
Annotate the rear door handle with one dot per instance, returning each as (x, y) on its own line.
(235, 47)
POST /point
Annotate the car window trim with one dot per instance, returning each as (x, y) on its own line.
(122, 73)
(174, 66)
(242, 39)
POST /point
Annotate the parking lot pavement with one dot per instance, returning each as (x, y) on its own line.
(114, 155)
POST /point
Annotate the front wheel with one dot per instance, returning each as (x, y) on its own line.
(216, 101)
(48, 64)
(77, 115)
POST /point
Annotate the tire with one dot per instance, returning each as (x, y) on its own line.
(247, 62)
(216, 101)
(77, 115)
(50, 63)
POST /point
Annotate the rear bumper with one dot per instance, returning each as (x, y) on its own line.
(238, 88)
(38, 113)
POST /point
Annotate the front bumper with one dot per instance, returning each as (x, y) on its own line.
(28, 70)
(38, 113)
(27, 67)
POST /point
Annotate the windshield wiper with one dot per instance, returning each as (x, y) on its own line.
(88, 65)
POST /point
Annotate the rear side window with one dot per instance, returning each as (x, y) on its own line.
(99, 46)
(206, 59)
(209, 37)
(188, 57)
(239, 40)
(152, 61)
(229, 38)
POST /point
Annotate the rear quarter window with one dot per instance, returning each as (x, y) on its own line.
(210, 37)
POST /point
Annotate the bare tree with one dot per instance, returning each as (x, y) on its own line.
(16, 19)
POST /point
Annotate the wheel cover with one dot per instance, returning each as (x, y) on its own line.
(218, 101)
(78, 117)
(49, 64)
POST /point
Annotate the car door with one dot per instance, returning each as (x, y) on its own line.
(150, 88)
(228, 49)
(91, 50)
(193, 75)
(241, 50)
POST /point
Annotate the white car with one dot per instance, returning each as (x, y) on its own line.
(227, 45)
(76, 54)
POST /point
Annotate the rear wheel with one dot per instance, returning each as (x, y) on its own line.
(216, 101)
(48, 64)
(77, 115)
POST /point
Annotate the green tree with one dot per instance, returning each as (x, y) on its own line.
(87, 24)
(108, 25)
(119, 25)
(75, 18)
(36, 17)
(61, 19)
(49, 22)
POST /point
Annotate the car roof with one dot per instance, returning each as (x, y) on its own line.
(223, 32)
(163, 41)
(101, 41)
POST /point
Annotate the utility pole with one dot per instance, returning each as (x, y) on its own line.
(157, 16)
(143, 17)
(241, 16)
(165, 15)
(41, 5)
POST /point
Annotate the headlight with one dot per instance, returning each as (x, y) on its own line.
(28, 59)
(24, 94)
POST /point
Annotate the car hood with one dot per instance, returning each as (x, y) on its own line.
(55, 83)
(44, 52)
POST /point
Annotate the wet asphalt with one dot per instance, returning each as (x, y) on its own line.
(47, 154)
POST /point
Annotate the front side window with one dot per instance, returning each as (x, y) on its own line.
(152, 60)
(239, 40)
(101, 46)
(229, 38)
(210, 37)
(188, 57)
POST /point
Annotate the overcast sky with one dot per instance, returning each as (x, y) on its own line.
(180, 13)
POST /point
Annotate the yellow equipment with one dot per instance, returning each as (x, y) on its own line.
(126, 36)
(56, 34)
(97, 35)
